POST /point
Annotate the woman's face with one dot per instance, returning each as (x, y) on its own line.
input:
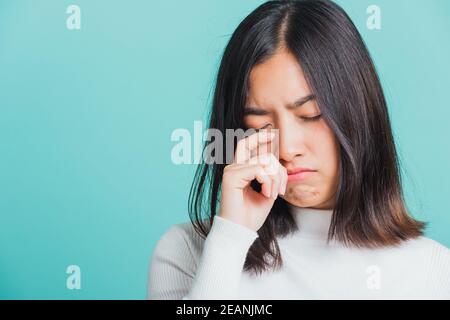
(276, 90)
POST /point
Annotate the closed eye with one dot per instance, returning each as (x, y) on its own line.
(307, 119)
(262, 128)
(312, 118)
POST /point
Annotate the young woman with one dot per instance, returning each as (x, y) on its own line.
(329, 220)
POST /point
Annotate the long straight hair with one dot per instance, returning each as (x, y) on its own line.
(370, 210)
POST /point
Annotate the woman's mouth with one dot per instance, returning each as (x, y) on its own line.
(300, 174)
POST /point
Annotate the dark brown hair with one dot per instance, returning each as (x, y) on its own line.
(370, 209)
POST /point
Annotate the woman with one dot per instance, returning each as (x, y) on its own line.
(327, 218)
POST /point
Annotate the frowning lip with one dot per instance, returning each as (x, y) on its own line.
(299, 170)
(300, 174)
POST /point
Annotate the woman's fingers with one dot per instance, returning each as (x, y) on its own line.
(262, 148)
(246, 145)
(248, 172)
(274, 170)
(268, 161)
(275, 186)
(266, 183)
(283, 179)
(273, 176)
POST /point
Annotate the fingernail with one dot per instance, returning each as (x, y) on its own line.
(274, 194)
(266, 192)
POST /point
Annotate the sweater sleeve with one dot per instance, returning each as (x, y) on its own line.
(175, 272)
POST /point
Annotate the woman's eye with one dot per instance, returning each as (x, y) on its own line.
(262, 128)
(312, 118)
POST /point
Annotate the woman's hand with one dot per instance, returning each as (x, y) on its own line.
(240, 203)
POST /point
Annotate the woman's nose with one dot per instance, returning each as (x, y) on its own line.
(290, 142)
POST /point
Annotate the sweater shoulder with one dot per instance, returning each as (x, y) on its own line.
(437, 258)
(434, 256)
(430, 245)
(439, 252)
(189, 234)
(422, 246)
(180, 240)
(174, 262)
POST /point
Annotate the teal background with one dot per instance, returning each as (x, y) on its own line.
(86, 118)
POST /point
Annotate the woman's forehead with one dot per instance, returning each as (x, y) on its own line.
(278, 80)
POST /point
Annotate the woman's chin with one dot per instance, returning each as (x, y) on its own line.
(301, 195)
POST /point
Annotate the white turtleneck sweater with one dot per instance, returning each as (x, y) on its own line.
(185, 266)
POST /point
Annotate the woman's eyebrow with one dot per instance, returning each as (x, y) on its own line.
(255, 111)
(262, 112)
(301, 101)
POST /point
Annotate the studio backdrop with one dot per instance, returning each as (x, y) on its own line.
(92, 92)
